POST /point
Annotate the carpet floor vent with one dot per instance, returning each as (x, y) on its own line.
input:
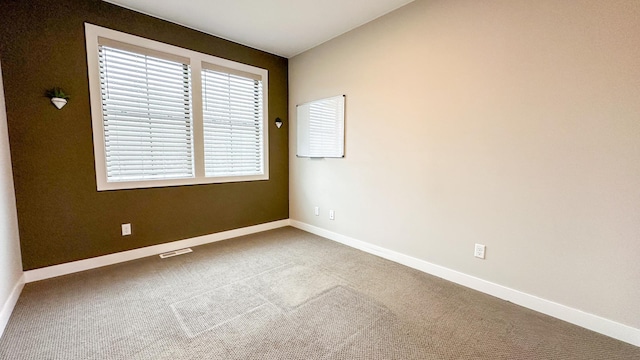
(175, 253)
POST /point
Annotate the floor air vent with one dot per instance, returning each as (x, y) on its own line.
(175, 253)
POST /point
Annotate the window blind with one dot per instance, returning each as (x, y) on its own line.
(147, 117)
(232, 114)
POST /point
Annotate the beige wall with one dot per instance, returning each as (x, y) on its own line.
(10, 263)
(515, 124)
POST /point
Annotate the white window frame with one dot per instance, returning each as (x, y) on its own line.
(92, 33)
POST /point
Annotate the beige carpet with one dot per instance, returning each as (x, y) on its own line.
(282, 294)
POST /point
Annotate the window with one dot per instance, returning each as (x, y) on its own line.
(232, 123)
(165, 116)
(146, 114)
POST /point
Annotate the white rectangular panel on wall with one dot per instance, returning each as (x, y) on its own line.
(321, 128)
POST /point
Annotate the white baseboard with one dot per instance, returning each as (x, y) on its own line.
(96, 262)
(592, 322)
(7, 307)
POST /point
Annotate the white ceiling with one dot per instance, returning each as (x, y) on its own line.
(281, 27)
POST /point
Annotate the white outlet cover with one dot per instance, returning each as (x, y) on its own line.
(332, 215)
(126, 229)
(479, 251)
(316, 211)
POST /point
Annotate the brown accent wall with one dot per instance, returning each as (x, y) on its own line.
(61, 216)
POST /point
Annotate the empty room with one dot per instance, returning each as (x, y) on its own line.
(306, 179)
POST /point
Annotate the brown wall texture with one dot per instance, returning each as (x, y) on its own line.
(61, 216)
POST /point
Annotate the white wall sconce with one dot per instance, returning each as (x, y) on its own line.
(58, 97)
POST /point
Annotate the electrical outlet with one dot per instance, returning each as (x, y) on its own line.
(332, 215)
(479, 251)
(316, 211)
(126, 229)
